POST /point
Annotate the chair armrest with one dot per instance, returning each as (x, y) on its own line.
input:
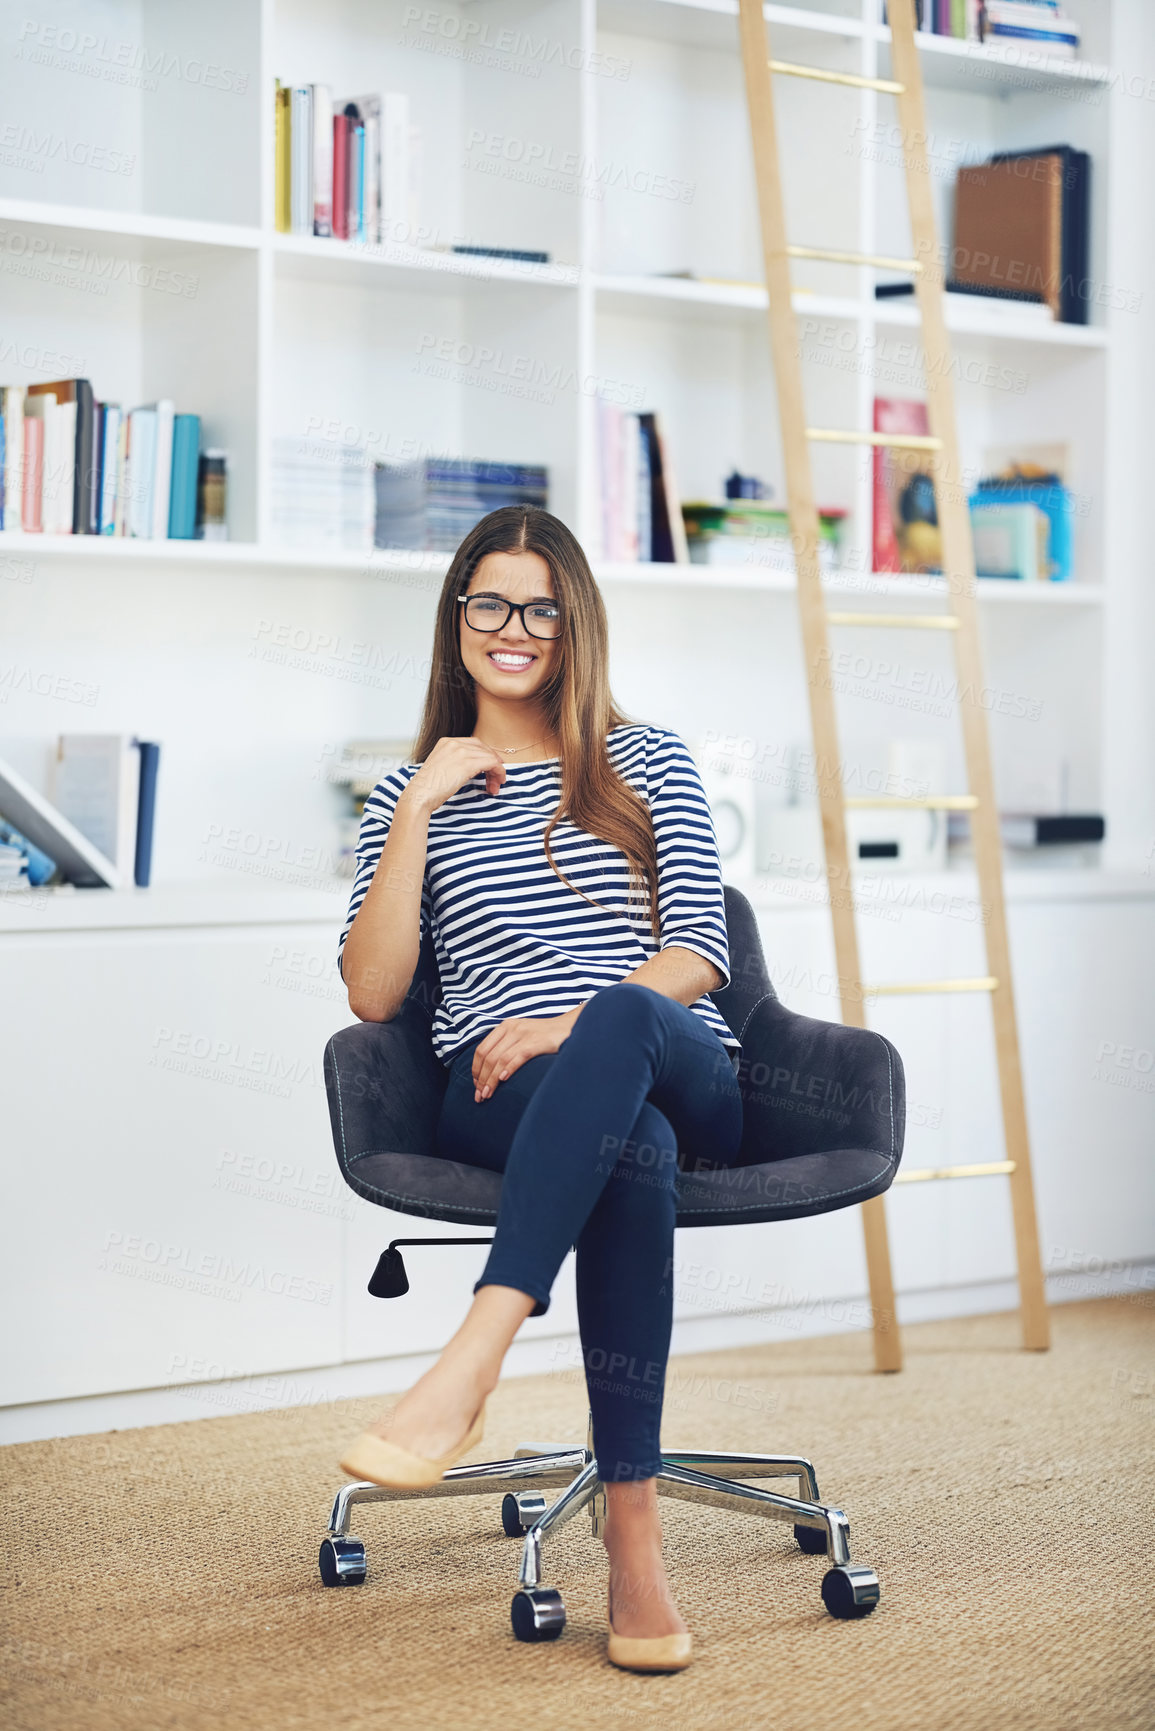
(811, 1087)
(385, 1085)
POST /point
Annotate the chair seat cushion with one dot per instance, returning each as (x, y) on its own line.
(789, 1189)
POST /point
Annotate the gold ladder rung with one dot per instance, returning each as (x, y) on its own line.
(928, 802)
(984, 983)
(987, 1169)
(900, 621)
(851, 436)
(791, 69)
(881, 259)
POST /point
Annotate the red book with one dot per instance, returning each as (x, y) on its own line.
(33, 474)
(341, 177)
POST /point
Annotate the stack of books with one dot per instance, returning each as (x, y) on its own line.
(73, 466)
(753, 532)
(346, 170)
(431, 505)
(1033, 21)
(1038, 23)
(641, 512)
(322, 496)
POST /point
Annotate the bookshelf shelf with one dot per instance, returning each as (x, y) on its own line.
(881, 587)
(383, 561)
(126, 225)
(972, 316)
(689, 298)
(336, 260)
(798, 32)
(975, 66)
(966, 315)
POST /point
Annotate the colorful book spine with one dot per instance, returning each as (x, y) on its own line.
(32, 500)
(284, 177)
(146, 812)
(13, 456)
(182, 513)
(355, 222)
(110, 464)
(301, 159)
(341, 125)
(322, 161)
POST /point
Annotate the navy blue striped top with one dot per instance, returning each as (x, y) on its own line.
(511, 938)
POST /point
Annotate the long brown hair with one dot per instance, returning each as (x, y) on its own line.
(577, 700)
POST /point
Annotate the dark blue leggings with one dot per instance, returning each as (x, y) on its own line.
(588, 1140)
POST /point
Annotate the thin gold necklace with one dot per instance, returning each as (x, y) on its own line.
(512, 750)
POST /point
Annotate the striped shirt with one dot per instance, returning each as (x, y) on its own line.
(511, 938)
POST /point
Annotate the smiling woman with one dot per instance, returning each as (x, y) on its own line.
(562, 859)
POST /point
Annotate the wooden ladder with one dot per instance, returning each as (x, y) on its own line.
(961, 621)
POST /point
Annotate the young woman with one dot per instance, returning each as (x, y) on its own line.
(565, 861)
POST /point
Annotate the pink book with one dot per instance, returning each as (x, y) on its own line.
(33, 474)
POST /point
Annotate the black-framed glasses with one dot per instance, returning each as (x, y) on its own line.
(493, 613)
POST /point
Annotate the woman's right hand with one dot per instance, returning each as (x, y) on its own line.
(450, 764)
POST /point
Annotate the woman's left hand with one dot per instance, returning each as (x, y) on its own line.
(512, 1043)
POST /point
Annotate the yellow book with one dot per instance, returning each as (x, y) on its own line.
(283, 146)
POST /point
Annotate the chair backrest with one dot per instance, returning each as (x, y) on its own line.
(749, 979)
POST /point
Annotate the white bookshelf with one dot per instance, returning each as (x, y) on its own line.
(409, 347)
(202, 1005)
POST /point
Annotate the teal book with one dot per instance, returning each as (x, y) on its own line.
(182, 508)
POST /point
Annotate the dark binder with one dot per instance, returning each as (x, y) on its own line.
(146, 811)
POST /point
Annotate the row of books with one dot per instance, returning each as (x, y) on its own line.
(336, 498)
(1023, 21)
(97, 827)
(641, 512)
(70, 465)
(346, 170)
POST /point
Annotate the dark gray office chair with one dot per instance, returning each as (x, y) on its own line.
(824, 1114)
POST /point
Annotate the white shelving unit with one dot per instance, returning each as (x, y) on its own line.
(612, 134)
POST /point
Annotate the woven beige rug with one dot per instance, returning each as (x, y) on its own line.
(167, 1577)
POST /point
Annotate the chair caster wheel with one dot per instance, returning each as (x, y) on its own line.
(850, 1592)
(519, 1511)
(342, 1562)
(537, 1614)
(811, 1541)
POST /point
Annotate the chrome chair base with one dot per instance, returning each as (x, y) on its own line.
(720, 1480)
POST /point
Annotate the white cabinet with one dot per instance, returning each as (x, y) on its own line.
(175, 1214)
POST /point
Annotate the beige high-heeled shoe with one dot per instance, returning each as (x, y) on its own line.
(647, 1652)
(386, 1463)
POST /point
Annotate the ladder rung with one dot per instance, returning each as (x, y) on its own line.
(905, 441)
(901, 621)
(791, 69)
(931, 802)
(989, 1169)
(986, 983)
(883, 260)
